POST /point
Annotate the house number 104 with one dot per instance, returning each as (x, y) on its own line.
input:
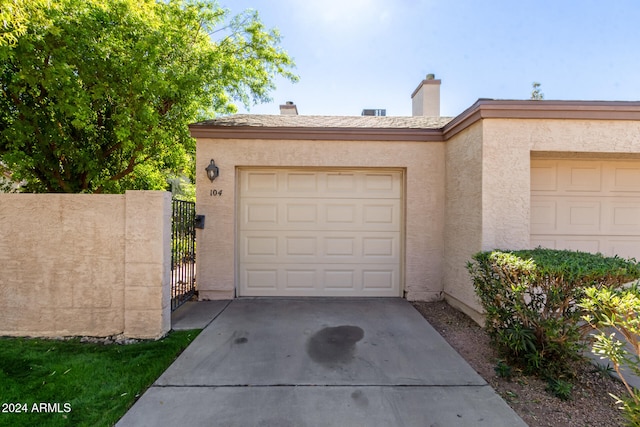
(214, 193)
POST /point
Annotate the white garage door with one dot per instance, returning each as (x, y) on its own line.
(586, 205)
(307, 232)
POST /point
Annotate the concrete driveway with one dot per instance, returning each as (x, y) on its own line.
(319, 362)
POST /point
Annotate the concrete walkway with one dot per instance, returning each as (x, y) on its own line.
(317, 362)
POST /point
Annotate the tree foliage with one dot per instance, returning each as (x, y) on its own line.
(614, 314)
(536, 93)
(96, 96)
(14, 17)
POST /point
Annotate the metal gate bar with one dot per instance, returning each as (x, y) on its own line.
(183, 252)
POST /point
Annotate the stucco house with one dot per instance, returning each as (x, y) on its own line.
(378, 206)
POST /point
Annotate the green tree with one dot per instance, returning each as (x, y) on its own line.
(96, 96)
(536, 94)
(14, 16)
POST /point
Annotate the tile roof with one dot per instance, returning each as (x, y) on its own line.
(347, 122)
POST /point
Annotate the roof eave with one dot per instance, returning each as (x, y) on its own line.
(325, 134)
(481, 109)
(530, 109)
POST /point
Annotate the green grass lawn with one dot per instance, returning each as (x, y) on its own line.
(79, 384)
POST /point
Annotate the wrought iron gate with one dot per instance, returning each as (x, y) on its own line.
(183, 252)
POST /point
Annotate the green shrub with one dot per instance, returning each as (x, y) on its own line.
(615, 316)
(530, 301)
(559, 388)
(503, 370)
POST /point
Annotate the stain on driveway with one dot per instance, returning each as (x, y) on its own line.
(333, 345)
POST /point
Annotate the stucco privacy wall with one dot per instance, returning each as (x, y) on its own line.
(507, 146)
(79, 264)
(423, 165)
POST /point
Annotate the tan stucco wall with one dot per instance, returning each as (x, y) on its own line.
(463, 223)
(502, 181)
(423, 163)
(95, 265)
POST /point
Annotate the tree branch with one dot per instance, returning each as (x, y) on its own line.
(130, 167)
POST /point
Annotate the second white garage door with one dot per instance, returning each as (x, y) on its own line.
(307, 232)
(586, 205)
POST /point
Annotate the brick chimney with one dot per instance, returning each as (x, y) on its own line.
(425, 100)
(288, 109)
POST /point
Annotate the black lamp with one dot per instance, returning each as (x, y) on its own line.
(212, 170)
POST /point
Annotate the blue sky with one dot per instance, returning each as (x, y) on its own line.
(355, 54)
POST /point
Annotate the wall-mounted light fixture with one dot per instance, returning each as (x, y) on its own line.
(212, 170)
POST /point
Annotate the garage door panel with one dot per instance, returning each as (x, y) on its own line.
(625, 247)
(316, 280)
(341, 213)
(579, 216)
(550, 214)
(262, 246)
(261, 213)
(339, 247)
(544, 176)
(341, 183)
(301, 212)
(301, 279)
(319, 233)
(580, 177)
(571, 177)
(378, 279)
(624, 217)
(320, 280)
(379, 183)
(623, 177)
(587, 205)
(543, 215)
(380, 214)
(338, 184)
(261, 277)
(320, 214)
(339, 279)
(301, 182)
(317, 247)
(562, 177)
(301, 246)
(380, 246)
(261, 183)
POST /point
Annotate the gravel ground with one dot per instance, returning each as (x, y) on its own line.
(590, 404)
